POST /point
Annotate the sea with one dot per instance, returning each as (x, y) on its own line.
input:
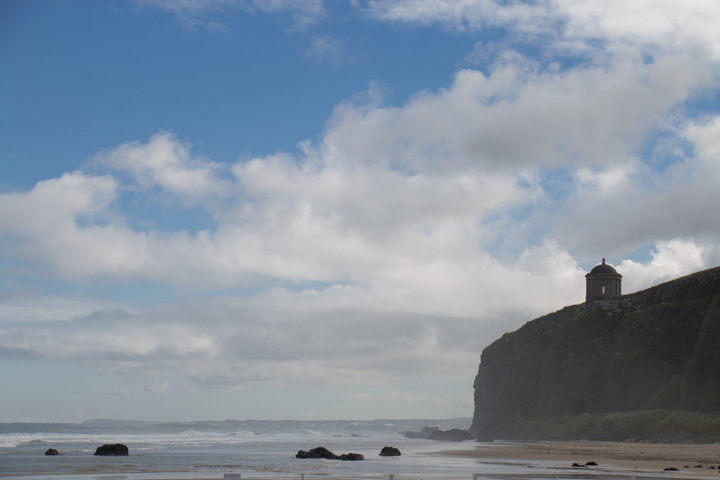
(231, 449)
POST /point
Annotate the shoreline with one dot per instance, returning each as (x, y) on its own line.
(510, 460)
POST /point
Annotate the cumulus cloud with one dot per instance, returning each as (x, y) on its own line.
(671, 24)
(403, 240)
(428, 239)
(570, 24)
(519, 117)
(620, 208)
(165, 162)
(72, 196)
(670, 259)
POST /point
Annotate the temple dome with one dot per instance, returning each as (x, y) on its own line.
(603, 268)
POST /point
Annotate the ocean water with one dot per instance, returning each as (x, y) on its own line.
(211, 449)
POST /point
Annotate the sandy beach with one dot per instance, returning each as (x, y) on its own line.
(690, 460)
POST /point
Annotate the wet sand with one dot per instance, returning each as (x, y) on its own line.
(691, 460)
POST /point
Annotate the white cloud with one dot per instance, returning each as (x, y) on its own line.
(67, 223)
(705, 136)
(671, 259)
(669, 24)
(158, 387)
(465, 14)
(404, 203)
(672, 24)
(623, 208)
(72, 196)
(518, 117)
(166, 162)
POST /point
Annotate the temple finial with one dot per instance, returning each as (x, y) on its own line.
(603, 260)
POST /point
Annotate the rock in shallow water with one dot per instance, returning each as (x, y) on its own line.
(113, 450)
(322, 452)
(389, 452)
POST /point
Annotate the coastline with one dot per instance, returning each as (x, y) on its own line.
(544, 460)
(690, 460)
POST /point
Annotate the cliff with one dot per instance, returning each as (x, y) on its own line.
(654, 350)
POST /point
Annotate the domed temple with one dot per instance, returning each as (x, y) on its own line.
(603, 281)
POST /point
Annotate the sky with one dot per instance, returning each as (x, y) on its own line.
(320, 209)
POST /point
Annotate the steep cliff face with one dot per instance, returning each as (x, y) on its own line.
(655, 349)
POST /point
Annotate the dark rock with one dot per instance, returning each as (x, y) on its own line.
(453, 435)
(591, 464)
(434, 433)
(579, 465)
(318, 452)
(389, 452)
(670, 469)
(52, 451)
(113, 450)
(322, 452)
(351, 456)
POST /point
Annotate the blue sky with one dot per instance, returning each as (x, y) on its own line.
(308, 209)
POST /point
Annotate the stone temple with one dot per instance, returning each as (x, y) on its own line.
(602, 282)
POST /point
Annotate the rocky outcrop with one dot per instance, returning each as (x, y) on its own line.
(434, 433)
(390, 452)
(113, 450)
(424, 433)
(52, 451)
(655, 349)
(322, 452)
(453, 435)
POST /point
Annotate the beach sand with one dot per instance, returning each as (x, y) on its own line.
(624, 457)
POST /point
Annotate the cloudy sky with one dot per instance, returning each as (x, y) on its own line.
(297, 209)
